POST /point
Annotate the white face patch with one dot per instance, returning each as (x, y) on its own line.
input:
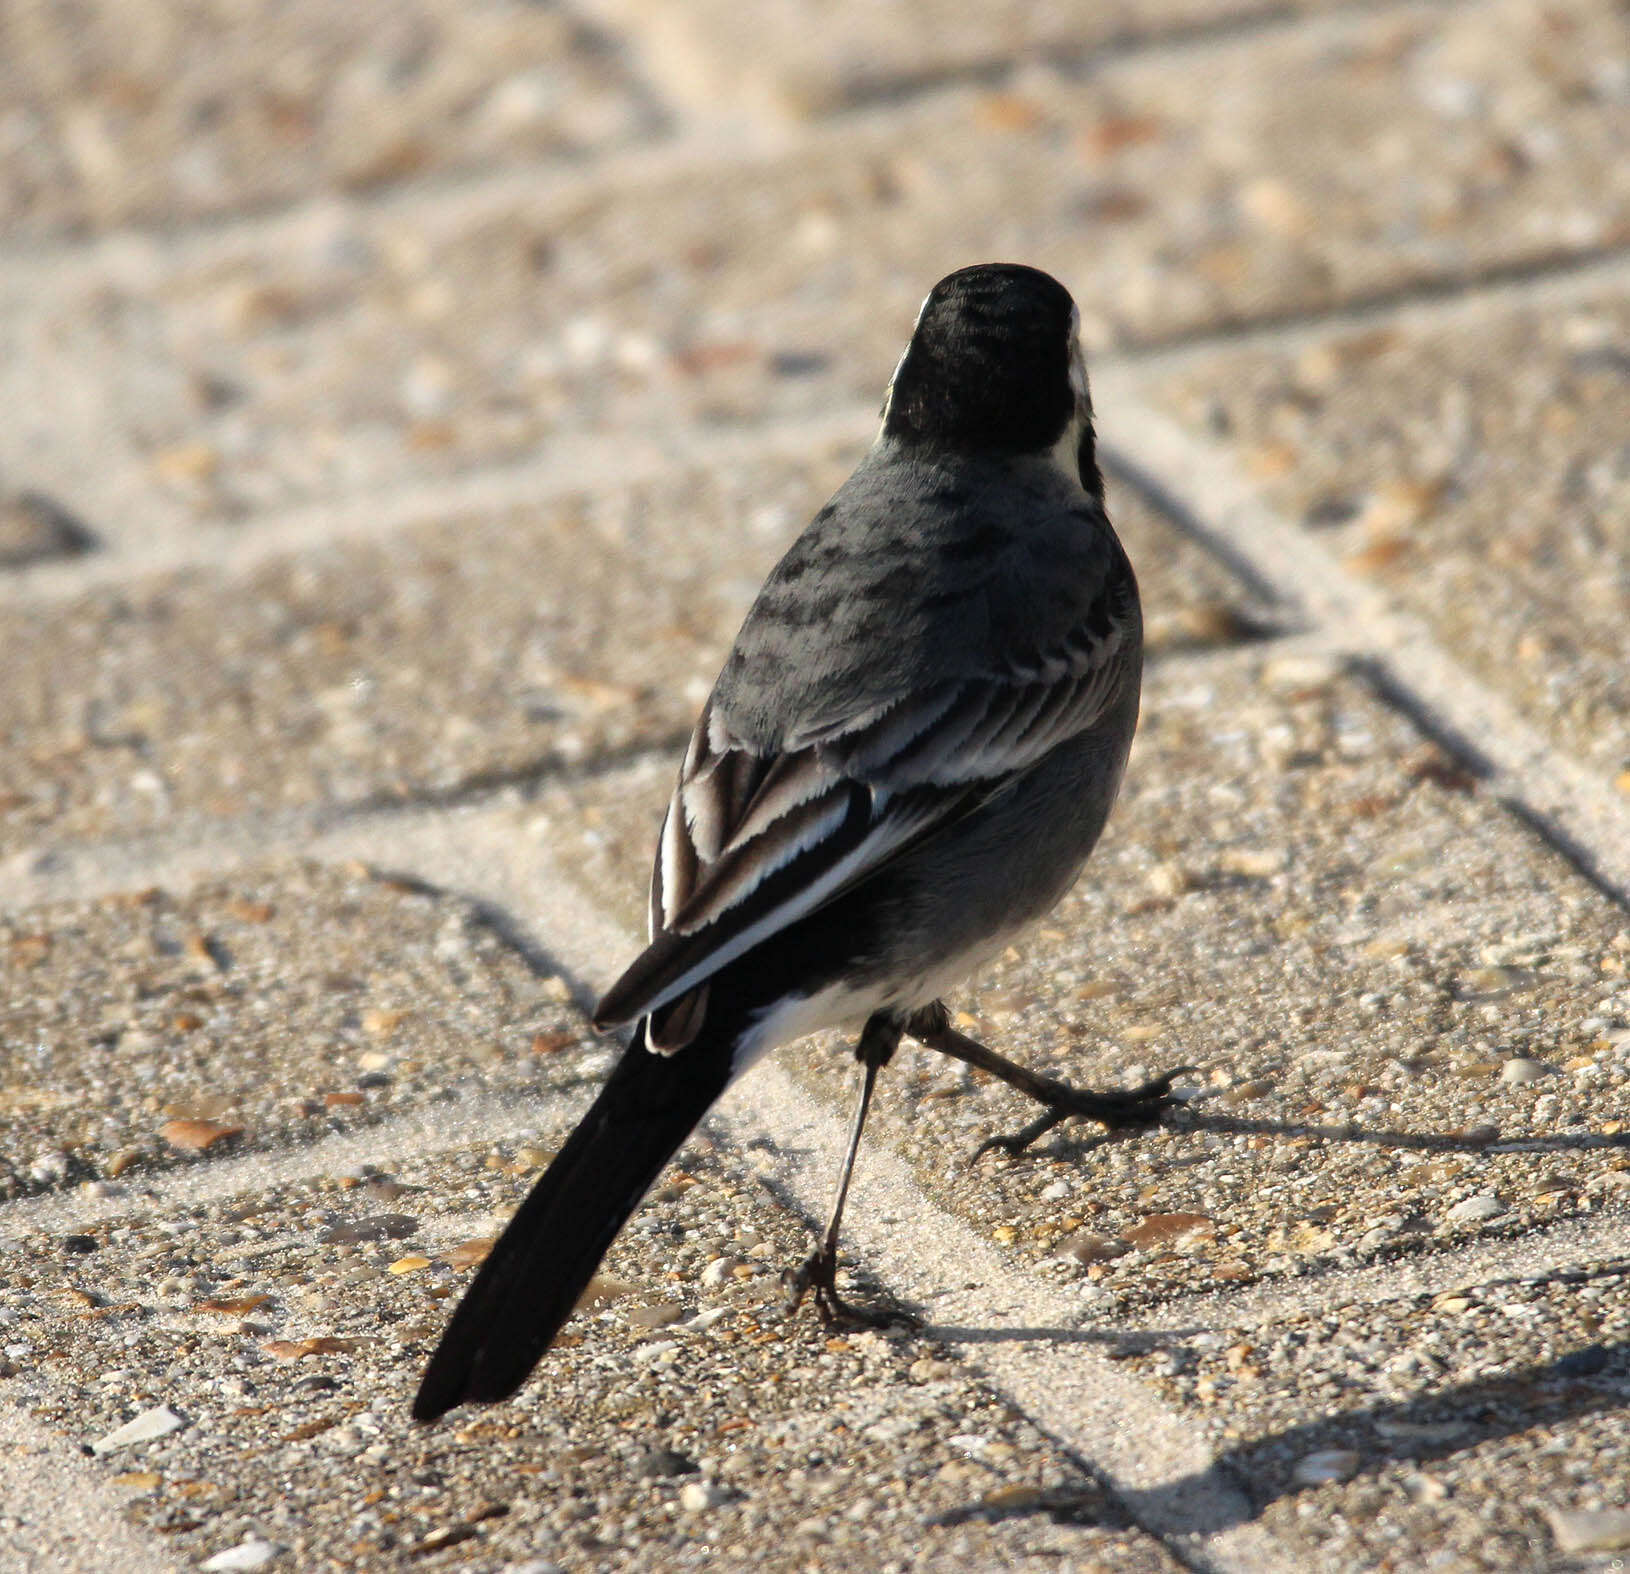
(888, 393)
(1067, 450)
(1078, 362)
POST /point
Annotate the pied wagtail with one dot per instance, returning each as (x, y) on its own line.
(911, 750)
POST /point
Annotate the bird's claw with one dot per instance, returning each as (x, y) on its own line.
(817, 1278)
(1118, 1111)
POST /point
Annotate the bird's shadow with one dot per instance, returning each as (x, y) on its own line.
(1120, 1341)
(1184, 1118)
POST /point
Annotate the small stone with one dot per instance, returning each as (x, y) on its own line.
(34, 528)
(720, 1269)
(1056, 1192)
(321, 1344)
(603, 1287)
(374, 1227)
(657, 1352)
(1085, 1247)
(1432, 1434)
(160, 1421)
(1329, 1464)
(928, 1370)
(1252, 863)
(253, 1553)
(187, 462)
(1159, 1229)
(232, 1306)
(194, 1136)
(447, 1536)
(469, 1254)
(1474, 1210)
(1426, 1489)
(412, 1263)
(1520, 1071)
(1582, 1530)
(661, 1315)
(697, 1496)
(1271, 202)
(49, 1166)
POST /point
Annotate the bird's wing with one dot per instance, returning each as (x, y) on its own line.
(753, 842)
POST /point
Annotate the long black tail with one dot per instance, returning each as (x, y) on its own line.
(540, 1265)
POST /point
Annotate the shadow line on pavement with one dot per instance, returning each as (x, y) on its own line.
(1426, 1426)
(1346, 1131)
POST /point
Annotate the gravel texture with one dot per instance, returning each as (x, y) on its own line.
(1481, 474)
(413, 667)
(803, 59)
(1458, 1423)
(165, 111)
(344, 348)
(686, 1422)
(153, 1030)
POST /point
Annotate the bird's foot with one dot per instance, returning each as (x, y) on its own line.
(1119, 1111)
(817, 1277)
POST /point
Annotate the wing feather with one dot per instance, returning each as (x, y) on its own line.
(752, 843)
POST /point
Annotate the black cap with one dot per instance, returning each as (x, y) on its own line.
(988, 366)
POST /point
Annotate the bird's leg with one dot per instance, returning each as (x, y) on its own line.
(1117, 1110)
(818, 1273)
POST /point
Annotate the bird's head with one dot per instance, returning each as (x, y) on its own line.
(995, 366)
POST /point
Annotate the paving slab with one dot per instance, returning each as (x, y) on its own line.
(802, 59)
(1412, 1018)
(1479, 473)
(437, 661)
(1446, 1432)
(165, 112)
(343, 347)
(274, 1006)
(468, 651)
(683, 1421)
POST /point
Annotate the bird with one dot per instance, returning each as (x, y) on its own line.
(912, 747)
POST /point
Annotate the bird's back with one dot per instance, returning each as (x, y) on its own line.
(963, 566)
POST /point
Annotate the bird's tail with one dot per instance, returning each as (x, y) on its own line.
(538, 1269)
